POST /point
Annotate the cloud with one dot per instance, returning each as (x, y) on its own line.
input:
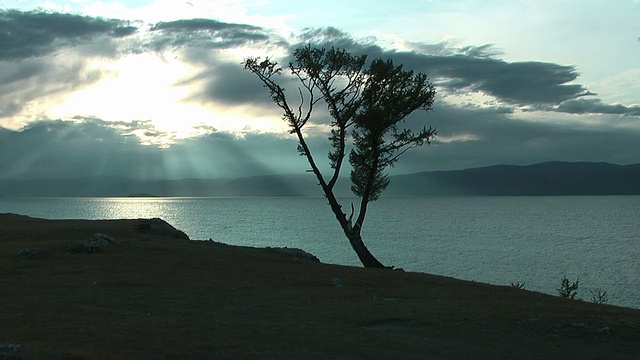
(596, 106)
(207, 33)
(473, 68)
(325, 35)
(467, 138)
(28, 86)
(47, 55)
(35, 73)
(36, 33)
(208, 25)
(96, 148)
(525, 84)
(478, 69)
(521, 83)
(489, 136)
(226, 83)
(55, 149)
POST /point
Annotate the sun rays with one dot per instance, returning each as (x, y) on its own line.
(145, 88)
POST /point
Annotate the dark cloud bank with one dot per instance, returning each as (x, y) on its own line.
(35, 33)
(205, 33)
(93, 148)
(527, 84)
(32, 46)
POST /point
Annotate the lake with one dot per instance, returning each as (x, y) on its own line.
(498, 240)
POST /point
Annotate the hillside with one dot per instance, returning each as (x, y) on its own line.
(151, 293)
(550, 178)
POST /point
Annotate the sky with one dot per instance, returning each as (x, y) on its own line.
(155, 89)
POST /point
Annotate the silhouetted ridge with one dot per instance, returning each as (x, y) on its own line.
(549, 178)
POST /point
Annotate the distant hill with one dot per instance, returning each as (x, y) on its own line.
(549, 178)
(285, 185)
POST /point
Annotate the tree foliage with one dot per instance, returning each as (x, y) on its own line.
(367, 104)
(568, 289)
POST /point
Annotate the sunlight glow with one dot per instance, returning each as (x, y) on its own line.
(143, 88)
(456, 138)
(469, 97)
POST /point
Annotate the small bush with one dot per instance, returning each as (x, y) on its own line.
(599, 296)
(568, 289)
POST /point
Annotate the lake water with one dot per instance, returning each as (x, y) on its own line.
(498, 240)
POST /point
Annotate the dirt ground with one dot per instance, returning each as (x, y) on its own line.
(154, 294)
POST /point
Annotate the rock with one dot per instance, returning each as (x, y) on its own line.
(100, 240)
(337, 282)
(159, 226)
(30, 254)
(95, 244)
(297, 254)
(8, 350)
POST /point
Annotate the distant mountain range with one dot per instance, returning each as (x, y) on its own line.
(549, 178)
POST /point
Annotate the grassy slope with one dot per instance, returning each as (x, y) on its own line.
(156, 295)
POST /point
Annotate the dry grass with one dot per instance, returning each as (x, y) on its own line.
(157, 295)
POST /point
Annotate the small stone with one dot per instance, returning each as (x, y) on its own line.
(8, 350)
(95, 244)
(337, 282)
(30, 254)
(101, 240)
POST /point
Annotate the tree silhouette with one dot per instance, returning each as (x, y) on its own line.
(366, 106)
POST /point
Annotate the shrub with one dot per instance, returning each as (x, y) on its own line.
(599, 296)
(568, 289)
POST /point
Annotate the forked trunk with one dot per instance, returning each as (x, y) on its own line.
(366, 257)
(355, 239)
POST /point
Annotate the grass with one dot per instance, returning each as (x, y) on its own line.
(157, 295)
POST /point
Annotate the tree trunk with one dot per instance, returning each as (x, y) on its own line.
(366, 257)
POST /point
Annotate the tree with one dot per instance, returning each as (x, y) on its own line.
(366, 105)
